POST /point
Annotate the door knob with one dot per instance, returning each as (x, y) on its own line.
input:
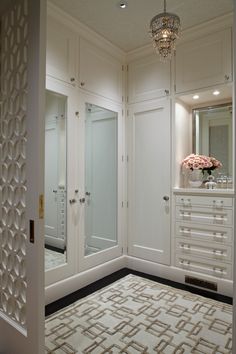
(166, 198)
(72, 201)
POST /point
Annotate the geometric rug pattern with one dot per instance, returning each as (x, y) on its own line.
(136, 315)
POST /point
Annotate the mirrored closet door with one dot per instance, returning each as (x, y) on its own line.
(99, 184)
(83, 182)
(100, 179)
(59, 184)
(55, 180)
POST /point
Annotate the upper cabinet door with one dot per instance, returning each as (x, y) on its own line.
(148, 78)
(61, 51)
(100, 72)
(204, 62)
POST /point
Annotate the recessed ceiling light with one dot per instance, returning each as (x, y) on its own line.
(216, 92)
(123, 4)
(195, 97)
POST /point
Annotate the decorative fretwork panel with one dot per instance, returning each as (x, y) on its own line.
(13, 137)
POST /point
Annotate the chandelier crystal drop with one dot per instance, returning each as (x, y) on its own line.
(165, 30)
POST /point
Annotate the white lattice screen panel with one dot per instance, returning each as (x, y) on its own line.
(14, 45)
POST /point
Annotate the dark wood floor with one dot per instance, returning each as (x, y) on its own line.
(79, 294)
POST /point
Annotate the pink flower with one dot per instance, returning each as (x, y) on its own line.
(200, 162)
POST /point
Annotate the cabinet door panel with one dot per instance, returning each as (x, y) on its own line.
(100, 73)
(149, 181)
(148, 78)
(61, 51)
(204, 62)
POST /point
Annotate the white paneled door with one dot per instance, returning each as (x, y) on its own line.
(22, 174)
(149, 181)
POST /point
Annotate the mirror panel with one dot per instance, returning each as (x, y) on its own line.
(212, 135)
(101, 151)
(55, 180)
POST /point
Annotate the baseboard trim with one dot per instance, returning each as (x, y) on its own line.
(108, 272)
(225, 287)
(72, 284)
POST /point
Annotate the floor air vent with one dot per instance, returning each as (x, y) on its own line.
(201, 283)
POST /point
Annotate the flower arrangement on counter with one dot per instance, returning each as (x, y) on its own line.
(201, 162)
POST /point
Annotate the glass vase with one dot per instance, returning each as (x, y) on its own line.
(195, 178)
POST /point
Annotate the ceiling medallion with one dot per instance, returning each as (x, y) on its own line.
(165, 30)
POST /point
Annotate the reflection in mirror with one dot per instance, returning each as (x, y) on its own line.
(55, 180)
(100, 179)
(212, 136)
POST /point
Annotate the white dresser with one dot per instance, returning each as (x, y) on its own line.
(204, 234)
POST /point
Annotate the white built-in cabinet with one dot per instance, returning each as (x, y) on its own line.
(85, 73)
(149, 166)
(61, 51)
(204, 62)
(99, 72)
(203, 234)
(148, 78)
(77, 61)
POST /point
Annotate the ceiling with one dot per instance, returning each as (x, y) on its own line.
(128, 28)
(207, 96)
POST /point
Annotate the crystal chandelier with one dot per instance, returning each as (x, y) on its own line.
(164, 30)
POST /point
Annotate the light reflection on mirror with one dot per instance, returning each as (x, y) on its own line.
(100, 179)
(212, 135)
(55, 180)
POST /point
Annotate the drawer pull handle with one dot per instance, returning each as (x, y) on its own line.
(184, 262)
(218, 203)
(186, 202)
(185, 246)
(218, 252)
(218, 270)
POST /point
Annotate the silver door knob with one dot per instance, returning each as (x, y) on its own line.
(166, 198)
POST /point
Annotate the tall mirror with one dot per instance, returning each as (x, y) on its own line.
(100, 179)
(55, 180)
(212, 135)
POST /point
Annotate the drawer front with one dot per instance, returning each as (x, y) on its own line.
(213, 202)
(212, 251)
(205, 215)
(207, 233)
(210, 267)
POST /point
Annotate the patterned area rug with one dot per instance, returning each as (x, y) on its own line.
(136, 315)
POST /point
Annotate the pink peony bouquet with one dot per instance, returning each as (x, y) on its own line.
(200, 162)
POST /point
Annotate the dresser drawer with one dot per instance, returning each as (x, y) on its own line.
(209, 233)
(212, 251)
(213, 202)
(198, 265)
(204, 215)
